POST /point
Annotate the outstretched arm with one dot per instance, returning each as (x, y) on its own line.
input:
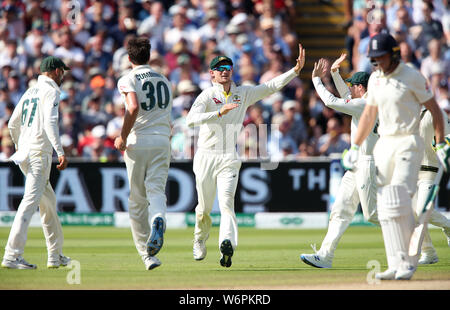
(266, 89)
(341, 87)
(352, 107)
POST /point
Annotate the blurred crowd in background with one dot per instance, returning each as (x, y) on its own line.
(259, 35)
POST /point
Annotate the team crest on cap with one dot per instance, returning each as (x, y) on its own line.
(374, 44)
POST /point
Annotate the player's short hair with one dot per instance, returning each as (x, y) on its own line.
(139, 50)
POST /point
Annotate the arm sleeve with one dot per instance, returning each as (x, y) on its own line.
(14, 123)
(420, 88)
(50, 106)
(197, 114)
(341, 87)
(125, 85)
(370, 98)
(353, 107)
(261, 91)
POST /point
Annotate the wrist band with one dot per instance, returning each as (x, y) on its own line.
(219, 114)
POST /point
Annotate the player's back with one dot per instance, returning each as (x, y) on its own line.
(154, 94)
(38, 100)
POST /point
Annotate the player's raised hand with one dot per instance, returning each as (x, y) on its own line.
(337, 63)
(62, 162)
(320, 68)
(300, 60)
(227, 108)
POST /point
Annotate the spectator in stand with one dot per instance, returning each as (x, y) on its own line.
(181, 47)
(15, 87)
(114, 126)
(96, 56)
(15, 23)
(297, 125)
(186, 94)
(71, 54)
(10, 56)
(434, 60)
(280, 141)
(181, 30)
(68, 146)
(333, 141)
(407, 55)
(213, 27)
(430, 28)
(184, 71)
(37, 33)
(155, 25)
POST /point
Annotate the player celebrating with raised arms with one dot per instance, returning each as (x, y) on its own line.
(35, 132)
(356, 186)
(396, 93)
(145, 138)
(220, 111)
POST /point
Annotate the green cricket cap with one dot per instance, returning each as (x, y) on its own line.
(219, 59)
(51, 63)
(359, 78)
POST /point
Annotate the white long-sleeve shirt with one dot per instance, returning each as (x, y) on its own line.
(34, 122)
(347, 105)
(427, 133)
(220, 133)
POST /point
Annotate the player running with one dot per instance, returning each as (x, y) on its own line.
(145, 138)
(396, 93)
(34, 131)
(220, 111)
(356, 186)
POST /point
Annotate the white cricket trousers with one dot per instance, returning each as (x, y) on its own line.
(147, 170)
(213, 171)
(424, 185)
(38, 193)
(356, 187)
(397, 159)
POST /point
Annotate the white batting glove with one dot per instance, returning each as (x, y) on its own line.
(350, 157)
(443, 154)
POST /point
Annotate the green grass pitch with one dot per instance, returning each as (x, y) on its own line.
(265, 259)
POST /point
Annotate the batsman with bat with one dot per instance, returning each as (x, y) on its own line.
(356, 186)
(396, 94)
(220, 111)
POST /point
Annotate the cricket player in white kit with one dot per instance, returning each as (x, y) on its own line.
(34, 130)
(396, 93)
(220, 111)
(145, 138)
(356, 186)
(428, 178)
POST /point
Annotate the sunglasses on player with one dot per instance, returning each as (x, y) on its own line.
(223, 68)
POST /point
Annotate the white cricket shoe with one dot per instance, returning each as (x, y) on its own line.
(388, 274)
(18, 263)
(428, 258)
(405, 272)
(60, 261)
(316, 260)
(199, 249)
(151, 262)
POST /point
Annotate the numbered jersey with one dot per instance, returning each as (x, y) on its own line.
(34, 122)
(154, 96)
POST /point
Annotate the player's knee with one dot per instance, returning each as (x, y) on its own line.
(393, 201)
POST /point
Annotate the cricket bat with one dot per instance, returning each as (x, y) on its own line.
(418, 234)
